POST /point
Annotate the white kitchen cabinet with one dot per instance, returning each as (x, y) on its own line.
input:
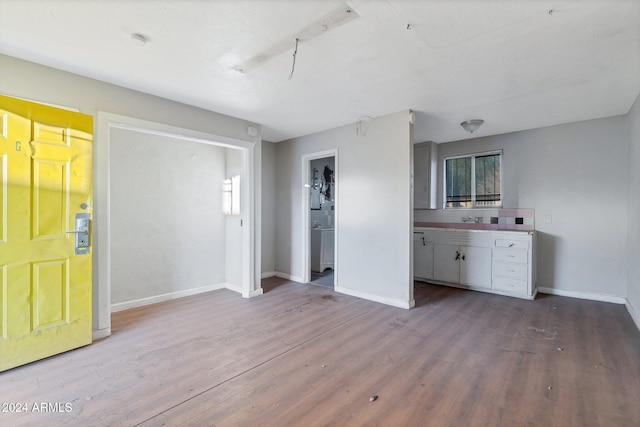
(513, 271)
(466, 265)
(322, 243)
(501, 262)
(475, 266)
(446, 264)
(422, 255)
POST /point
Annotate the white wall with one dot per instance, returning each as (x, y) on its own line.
(633, 232)
(167, 226)
(28, 80)
(373, 208)
(268, 208)
(578, 173)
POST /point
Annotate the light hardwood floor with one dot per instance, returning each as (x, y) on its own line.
(302, 355)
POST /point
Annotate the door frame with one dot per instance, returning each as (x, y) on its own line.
(306, 213)
(102, 208)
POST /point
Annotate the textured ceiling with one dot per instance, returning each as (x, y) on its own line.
(517, 64)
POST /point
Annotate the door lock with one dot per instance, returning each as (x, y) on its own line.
(82, 233)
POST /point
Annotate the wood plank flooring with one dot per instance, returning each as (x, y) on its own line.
(302, 355)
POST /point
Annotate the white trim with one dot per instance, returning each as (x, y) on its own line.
(254, 293)
(249, 284)
(632, 311)
(234, 288)
(98, 334)
(169, 131)
(473, 179)
(267, 274)
(289, 277)
(165, 297)
(376, 298)
(101, 213)
(306, 213)
(583, 295)
(102, 219)
(238, 289)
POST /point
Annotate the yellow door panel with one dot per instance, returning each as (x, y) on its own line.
(45, 287)
(3, 187)
(50, 187)
(50, 134)
(3, 229)
(3, 302)
(49, 292)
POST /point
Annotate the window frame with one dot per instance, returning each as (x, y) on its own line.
(473, 157)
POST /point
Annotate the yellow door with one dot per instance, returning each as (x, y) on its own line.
(45, 282)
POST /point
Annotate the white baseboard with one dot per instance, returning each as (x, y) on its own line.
(583, 295)
(232, 287)
(267, 274)
(289, 277)
(165, 297)
(98, 334)
(364, 295)
(634, 314)
(253, 293)
(376, 298)
(238, 289)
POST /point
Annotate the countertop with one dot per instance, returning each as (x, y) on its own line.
(473, 230)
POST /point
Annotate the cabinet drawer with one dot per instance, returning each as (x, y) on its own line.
(463, 238)
(508, 255)
(510, 285)
(512, 244)
(517, 271)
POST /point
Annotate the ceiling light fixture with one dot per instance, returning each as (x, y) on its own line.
(472, 125)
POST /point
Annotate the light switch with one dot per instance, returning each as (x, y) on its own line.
(548, 219)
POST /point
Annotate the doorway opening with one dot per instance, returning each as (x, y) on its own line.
(320, 217)
(162, 195)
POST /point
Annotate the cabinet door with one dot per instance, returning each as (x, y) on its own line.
(475, 266)
(327, 248)
(422, 257)
(316, 250)
(446, 264)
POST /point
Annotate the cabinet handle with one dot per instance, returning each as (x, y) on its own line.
(463, 256)
(512, 245)
(423, 242)
(457, 255)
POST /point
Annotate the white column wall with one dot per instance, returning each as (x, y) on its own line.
(373, 208)
(268, 208)
(633, 231)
